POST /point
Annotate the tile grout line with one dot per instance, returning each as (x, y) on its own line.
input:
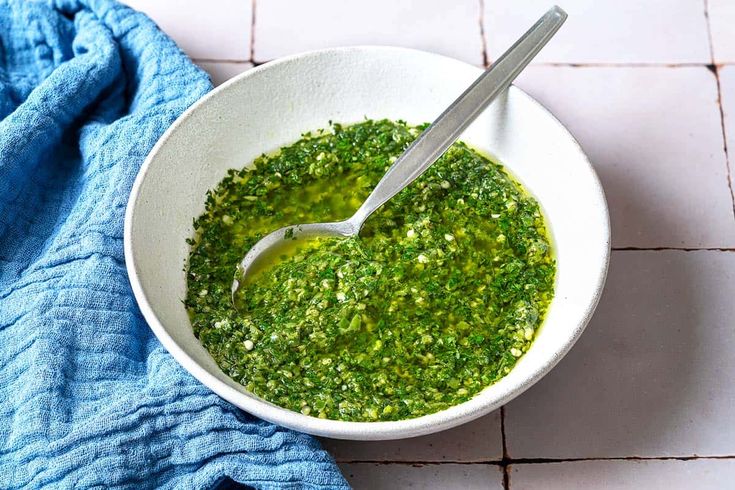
(252, 31)
(716, 71)
(490, 462)
(529, 461)
(228, 62)
(705, 4)
(724, 142)
(621, 64)
(505, 459)
(676, 249)
(621, 458)
(709, 66)
(485, 59)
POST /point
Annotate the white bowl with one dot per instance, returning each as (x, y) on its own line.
(272, 105)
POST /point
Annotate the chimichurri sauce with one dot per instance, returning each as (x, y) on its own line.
(438, 298)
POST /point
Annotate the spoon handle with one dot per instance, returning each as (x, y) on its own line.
(445, 130)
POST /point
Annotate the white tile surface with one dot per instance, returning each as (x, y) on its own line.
(651, 376)
(651, 31)
(452, 28)
(727, 89)
(703, 474)
(221, 71)
(722, 28)
(213, 30)
(654, 136)
(370, 476)
(479, 440)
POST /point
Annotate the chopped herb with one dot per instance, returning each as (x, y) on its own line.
(438, 298)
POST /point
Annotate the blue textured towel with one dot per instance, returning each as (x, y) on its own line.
(88, 396)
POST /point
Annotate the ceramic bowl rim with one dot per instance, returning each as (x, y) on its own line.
(382, 430)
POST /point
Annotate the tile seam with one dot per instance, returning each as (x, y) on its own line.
(505, 459)
(516, 461)
(621, 64)
(543, 64)
(716, 71)
(229, 61)
(485, 58)
(252, 30)
(676, 249)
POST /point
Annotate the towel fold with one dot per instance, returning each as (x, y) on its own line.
(88, 396)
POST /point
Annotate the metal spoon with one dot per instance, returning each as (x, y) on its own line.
(426, 149)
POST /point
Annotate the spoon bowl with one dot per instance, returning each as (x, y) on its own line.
(269, 246)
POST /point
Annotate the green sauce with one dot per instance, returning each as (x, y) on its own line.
(438, 298)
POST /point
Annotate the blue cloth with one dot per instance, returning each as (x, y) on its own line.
(88, 396)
